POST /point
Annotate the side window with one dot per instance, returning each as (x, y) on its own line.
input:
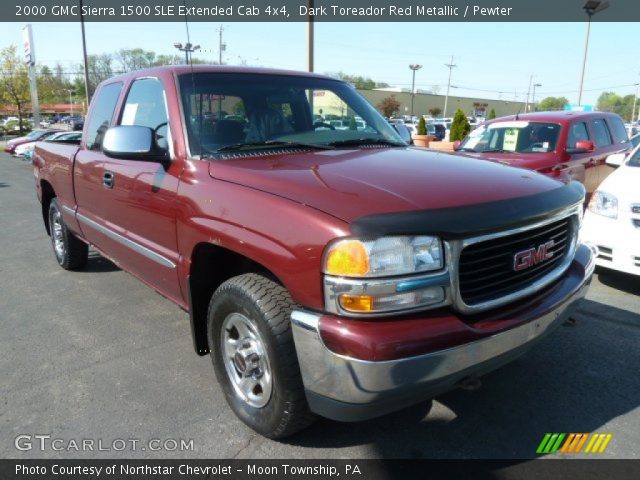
(146, 107)
(601, 133)
(577, 133)
(618, 129)
(105, 105)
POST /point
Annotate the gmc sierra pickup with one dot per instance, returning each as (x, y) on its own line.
(336, 272)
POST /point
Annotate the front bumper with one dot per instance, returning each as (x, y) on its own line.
(345, 388)
(616, 240)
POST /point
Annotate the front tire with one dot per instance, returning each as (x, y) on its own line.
(254, 357)
(71, 252)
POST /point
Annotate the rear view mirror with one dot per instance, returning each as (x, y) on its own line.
(583, 146)
(132, 142)
(616, 159)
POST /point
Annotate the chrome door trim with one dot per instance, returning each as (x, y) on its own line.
(136, 247)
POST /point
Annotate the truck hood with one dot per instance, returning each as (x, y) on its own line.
(352, 183)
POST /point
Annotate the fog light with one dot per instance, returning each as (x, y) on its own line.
(393, 301)
(357, 303)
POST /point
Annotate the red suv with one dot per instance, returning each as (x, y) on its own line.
(564, 143)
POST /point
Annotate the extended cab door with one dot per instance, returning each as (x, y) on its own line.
(87, 166)
(136, 204)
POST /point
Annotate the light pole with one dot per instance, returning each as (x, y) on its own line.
(526, 105)
(221, 46)
(635, 100)
(71, 92)
(533, 97)
(188, 49)
(414, 68)
(591, 8)
(450, 66)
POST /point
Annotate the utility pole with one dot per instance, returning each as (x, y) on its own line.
(526, 105)
(450, 66)
(221, 46)
(414, 67)
(533, 97)
(310, 39)
(635, 100)
(87, 94)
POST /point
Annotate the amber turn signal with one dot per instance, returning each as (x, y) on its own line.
(347, 258)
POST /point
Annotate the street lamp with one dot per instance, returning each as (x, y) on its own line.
(533, 97)
(414, 67)
(450, 66)
(188, 49)
(591, 8)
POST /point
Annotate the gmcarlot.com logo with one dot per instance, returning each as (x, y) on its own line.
(574, 442)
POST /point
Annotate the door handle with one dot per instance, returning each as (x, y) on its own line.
(108, 179)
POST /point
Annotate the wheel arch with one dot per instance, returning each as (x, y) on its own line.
(211, 265)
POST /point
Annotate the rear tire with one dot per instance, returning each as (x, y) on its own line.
(254, 357)
(71, 252)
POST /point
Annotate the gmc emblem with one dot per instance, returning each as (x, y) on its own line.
(533, 256)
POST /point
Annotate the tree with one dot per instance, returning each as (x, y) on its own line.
(492, 114)
(14, 82)
(388, 106)
(460, 127)
(612, 102)
(552, 103)
(100, 68)
(421, 129)
(435, 112)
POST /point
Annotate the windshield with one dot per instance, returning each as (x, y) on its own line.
(35, 134)
(227, 111)
(513, 137)
(634, 161)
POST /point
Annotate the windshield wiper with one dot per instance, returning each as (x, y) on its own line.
(365, 141)
(497, 150)
(271, 144)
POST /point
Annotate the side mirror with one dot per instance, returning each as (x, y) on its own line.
(583, 146)
(404, 132)
(616, 159)
(133, 142)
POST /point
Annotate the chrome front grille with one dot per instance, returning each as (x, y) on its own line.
(487, 276)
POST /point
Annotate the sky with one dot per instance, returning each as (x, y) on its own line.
(494, 60)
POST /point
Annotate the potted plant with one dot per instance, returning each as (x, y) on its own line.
(460, 128)
(420, 138)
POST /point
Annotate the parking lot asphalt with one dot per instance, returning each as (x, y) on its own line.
(97, 355)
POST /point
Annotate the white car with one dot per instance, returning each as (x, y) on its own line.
(612, 220)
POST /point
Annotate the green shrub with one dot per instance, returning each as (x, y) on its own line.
(421, 129)
(352, 123)
(492, 114)
(460, 127)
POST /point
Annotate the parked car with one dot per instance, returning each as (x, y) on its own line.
(76, 123)
(565, 144)
(34, 136)
(26, 149)
(612, 220)
(326, 272)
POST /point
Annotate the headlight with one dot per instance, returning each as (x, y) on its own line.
(603, 203)
(354, 267)
(383, 257)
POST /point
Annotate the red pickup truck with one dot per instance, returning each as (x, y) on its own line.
(332, 272)
(565, 144)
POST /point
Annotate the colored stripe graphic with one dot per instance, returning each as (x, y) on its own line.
(573, 442)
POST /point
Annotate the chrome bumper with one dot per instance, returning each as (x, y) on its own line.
(349, 389)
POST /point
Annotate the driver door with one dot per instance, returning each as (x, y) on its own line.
(138, 197)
